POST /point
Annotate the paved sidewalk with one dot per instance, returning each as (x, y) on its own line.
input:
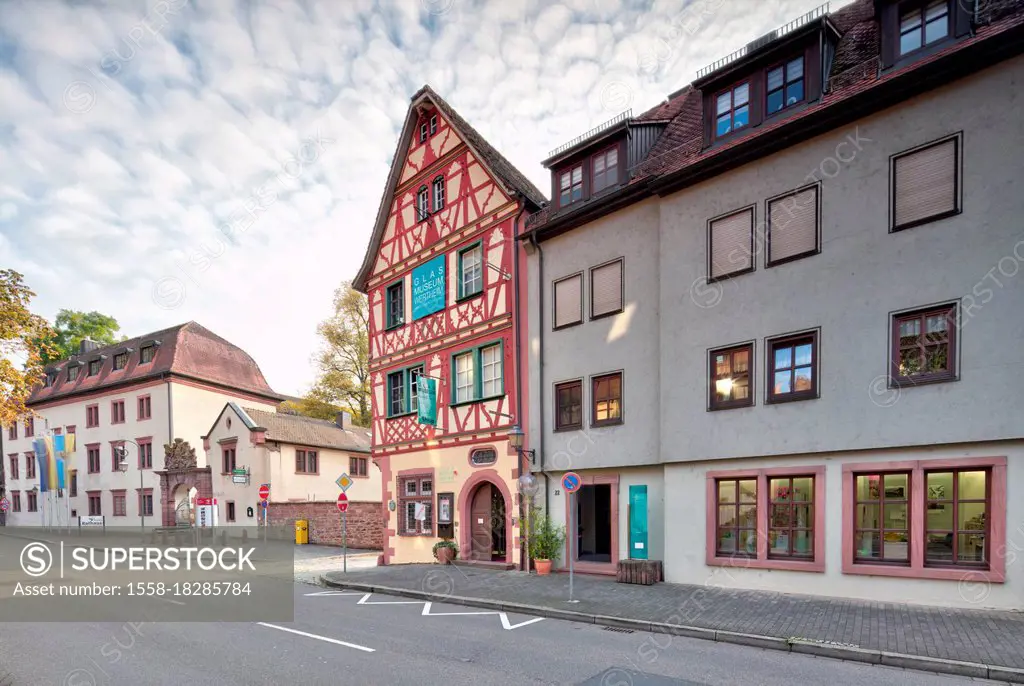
(983, 638)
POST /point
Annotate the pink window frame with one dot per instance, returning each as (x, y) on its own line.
(761, 560)
(996, 573)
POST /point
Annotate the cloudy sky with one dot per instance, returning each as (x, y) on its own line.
(172, 160)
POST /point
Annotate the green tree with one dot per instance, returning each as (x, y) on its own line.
(343, 364)
(71, 326)
(23, 335)
(309, 406)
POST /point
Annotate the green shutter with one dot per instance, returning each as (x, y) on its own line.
(638, 522)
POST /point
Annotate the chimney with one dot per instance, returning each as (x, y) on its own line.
(87, 345)
(343, 420)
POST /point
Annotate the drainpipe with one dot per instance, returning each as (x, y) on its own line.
(540, 382)
(524, 562)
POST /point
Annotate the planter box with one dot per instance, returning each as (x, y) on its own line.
(643, 572)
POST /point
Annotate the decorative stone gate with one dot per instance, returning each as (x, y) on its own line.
(200, 478)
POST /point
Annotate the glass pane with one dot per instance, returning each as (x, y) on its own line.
(741, 361)
(748, 541)
(896, 486)
(778, 542)
(741, 94)
(748, 491)
(894, 516)
(938, 548)
(782, 384)
(910, 361)
(803, 489)
(803, 543)
(726, 515)
(741, 117)
(741, 389)
(936, 358)
(910, 41)
(867, 487)
(803, 516)
(866, 517)
(613, 409)
(972, 517)
(895, 546)
(724, 103)
(748, 516)
(783, 357)
(577, 175)
(778, 516)
(936, 29)
(803, 379)
(939, 486)
(795, 92)
(868, 544)
(803, 354)
(613, 158)
(971, 548)
(910, 329)
(795, 69)
(939, 516)
(565, 181)
(727, 540)
(775, 101)
(775, 79)
(779, 489)
(971, 486)
(726, 491)
(722, 365)
(910, 20)
(936, 9)
(936, 323)
(599, 164)
(724, 125)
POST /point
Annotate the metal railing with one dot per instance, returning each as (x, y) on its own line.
(597, 129)
(765, 40)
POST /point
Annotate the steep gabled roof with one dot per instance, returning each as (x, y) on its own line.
(511, 179)
(305, 431)
(188, 350)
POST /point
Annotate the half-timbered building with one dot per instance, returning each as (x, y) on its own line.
(441, 273)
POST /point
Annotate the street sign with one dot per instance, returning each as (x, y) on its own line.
(342, 502)
(264, 491)
(571, 482)
(239, 479)
(263, 504)
(205, 501)
(344, 481)
(4, 504)
(94, 520)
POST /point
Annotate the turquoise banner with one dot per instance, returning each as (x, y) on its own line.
(426, 400)
(428, 288)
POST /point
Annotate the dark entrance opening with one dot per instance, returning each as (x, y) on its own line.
(487, 512)
(594, 514)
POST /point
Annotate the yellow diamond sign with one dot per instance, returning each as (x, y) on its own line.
(344, 481)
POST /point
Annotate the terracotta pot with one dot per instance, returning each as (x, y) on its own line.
(445, 555)
(543, 567)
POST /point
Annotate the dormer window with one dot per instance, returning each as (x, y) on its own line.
(605, 166)
(570, 186)
(72, 373)
(422, 204)
(94, 367)
(433, 125)
(923, 23)
(146, 354)
(51, 378)
(785, 85)
(120, 361)
(732, 109)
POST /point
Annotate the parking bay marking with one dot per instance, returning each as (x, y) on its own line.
(318, 638)
(428, 605)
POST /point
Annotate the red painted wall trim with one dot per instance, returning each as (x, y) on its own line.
(465, 503)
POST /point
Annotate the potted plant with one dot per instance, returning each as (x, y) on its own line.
(445, 551)
(546, 540)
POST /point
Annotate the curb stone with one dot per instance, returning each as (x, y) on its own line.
(800, 646)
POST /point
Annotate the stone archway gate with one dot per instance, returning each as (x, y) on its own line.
(200, 478)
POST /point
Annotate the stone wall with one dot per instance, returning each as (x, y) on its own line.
(365, 522)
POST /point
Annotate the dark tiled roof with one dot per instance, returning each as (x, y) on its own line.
(316, 433)
(188, 350)
(504, 172)
(855, 69)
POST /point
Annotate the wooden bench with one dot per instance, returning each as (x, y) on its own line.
(644, 572)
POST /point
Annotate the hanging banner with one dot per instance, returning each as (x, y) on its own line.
(426, 400)
(428, 287)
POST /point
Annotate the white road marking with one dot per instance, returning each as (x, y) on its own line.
(510, 626)
(331, 593)
(170, 600)
(428, 606)
(365, 600)
(318, 638)
(428, 613)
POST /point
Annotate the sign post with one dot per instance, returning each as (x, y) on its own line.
(264, 497)
(343, 508)
(571, 482)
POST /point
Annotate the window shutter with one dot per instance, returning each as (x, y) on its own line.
(731, 243)
(925, 183)
(606, 289)
(568, 301)
(793, 225)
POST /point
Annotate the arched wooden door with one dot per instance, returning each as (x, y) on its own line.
(481, 534)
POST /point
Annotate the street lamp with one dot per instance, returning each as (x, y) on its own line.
(527, 483)
(122, 466)
(515, 439)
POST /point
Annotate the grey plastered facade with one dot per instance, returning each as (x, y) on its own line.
(848, 292)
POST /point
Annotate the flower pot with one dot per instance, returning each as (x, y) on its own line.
(543, 567)
(445, 555)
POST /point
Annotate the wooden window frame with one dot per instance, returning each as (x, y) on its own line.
(307, 452)
(404, 499)
(99, 368)
(773, 398)
(554, 302)
(73, 483)
(791, 530)
(15, 470)
(477, 366)
(391, 323)
(594, 380)
(230, 511)
(881, 503)
(88, 458)
(30, 465)
(92, 416)
(622, 288)
(955, 502)
(32, 504)
(438, 190)
(116, 448)
(145, 460)
(15, 501)
(141, 495)
(558, 184)
(951, 312)
(731, 90)
(594, 190)
(422, 204)
(768, 261)
(228, 458)
(142, 353)
(358, 467)
(908, 6)
(462, 294)
(433, 124)
(144, 408)
(12, 431)
(98, 496)
(735, 506)
(784, 65)
(117, 412)
(406, 374)
(714, 404)
(480, 451)
(958, 199)
(123, 356)
(121, 495)
(73, 368)
(30, 427)
(423, 131)
(568, 384)
(752, 209)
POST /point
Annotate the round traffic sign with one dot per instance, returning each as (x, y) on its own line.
(264, 492)
(571, 482)
(342, 502)
(4, 504)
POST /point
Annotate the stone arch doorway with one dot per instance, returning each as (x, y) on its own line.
(178, 491)
(183, 498)
(485, 513)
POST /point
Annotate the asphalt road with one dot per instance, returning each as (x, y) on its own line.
(351, 639)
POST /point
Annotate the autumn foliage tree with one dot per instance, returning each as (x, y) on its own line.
(23, 346)
(343, 364)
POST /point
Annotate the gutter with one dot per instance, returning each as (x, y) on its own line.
(523, 554)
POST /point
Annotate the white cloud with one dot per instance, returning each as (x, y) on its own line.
(129, 144)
